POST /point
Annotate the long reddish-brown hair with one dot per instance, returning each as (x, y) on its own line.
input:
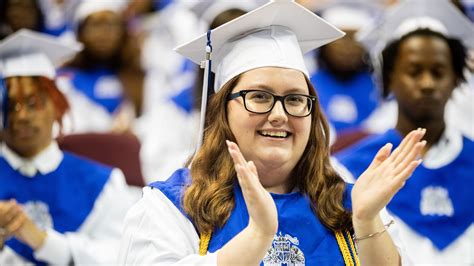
(209, 199)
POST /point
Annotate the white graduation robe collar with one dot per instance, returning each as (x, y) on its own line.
(45, 162)
(446, 150)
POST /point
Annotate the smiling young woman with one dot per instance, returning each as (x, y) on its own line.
(261, 188)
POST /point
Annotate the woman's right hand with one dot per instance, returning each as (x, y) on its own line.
(260, 205)
(385, 176)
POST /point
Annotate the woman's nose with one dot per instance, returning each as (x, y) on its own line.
(278, 114)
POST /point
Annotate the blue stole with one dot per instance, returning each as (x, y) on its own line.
(55, 31)
(87, 81)
(69, 193)
(184, 99)
(360, 89)
(448, 188)
(300, 233)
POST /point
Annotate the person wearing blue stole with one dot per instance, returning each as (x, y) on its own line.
(91, 80)
(260, 188)
(180, 112)
(346, 90)
(55, 208)
(423, 59)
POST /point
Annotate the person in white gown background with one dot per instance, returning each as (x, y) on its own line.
(424, 50)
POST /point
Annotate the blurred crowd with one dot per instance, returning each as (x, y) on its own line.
(134, 103)
(128, 80)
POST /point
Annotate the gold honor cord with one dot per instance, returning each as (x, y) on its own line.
(346, 249)
(204, 243)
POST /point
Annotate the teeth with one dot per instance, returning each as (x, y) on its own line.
(279, 134)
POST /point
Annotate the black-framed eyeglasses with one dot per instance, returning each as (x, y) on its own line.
(261, 102)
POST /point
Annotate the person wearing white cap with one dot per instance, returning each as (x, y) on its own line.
(423, 60)
(179, 112)
(343, 79)
(55, 208)
(91, 79)
(167, 70)
(286, 205)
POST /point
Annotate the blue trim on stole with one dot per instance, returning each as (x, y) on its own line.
(85, 81)
(69, 192)
(456, 178)
(360, 89)
(185, 99)
(295, 218)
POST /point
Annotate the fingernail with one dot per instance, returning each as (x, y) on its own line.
(423, 142)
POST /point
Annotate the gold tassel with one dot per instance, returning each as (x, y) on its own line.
(204, 243)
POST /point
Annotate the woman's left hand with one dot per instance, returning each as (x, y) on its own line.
(386, 175)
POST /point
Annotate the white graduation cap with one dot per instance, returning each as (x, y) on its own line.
(437, 15)
(30, 53)
(350, 14)
(276, 34)
(88, 7)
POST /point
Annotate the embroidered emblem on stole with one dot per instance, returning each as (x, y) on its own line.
(435, 201)
(38, 212)
(284, 250)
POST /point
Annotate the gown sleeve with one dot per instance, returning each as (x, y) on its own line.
(157, 233)
(98, 239)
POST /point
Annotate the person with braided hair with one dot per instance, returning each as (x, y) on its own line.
(55, 208)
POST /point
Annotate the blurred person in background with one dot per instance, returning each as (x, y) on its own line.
(459, 111)
(20, 14)
(55, 208)
(164, 28)
(91, 80)
(58, 18)
(180, 111)
(47, 16)
(423, 60)
(343, 79)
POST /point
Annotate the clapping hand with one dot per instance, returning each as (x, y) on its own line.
(260, 204)
(15, 223)
(386, 175)
(12, 218)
